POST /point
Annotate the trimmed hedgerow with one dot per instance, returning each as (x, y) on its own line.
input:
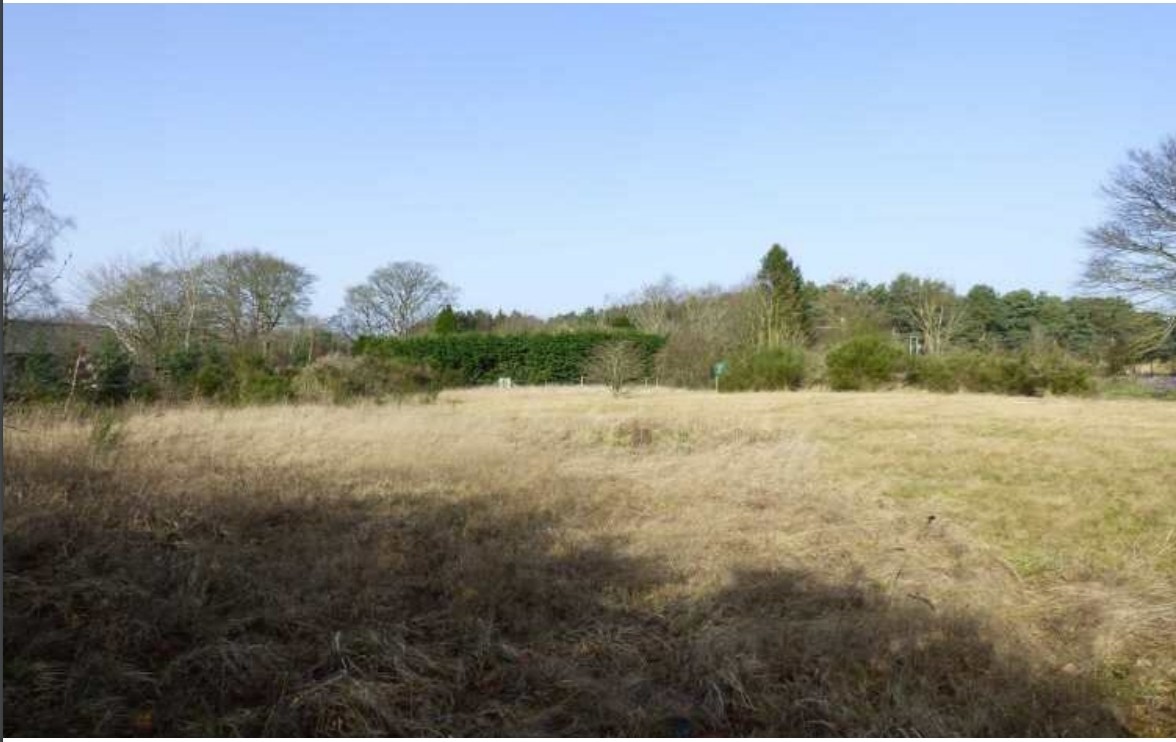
(528, 358)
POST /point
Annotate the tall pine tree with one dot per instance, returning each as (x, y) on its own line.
(446, 322)
(786, 318)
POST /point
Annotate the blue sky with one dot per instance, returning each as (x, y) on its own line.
(544, 158)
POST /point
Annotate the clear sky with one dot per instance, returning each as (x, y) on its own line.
(544, 158)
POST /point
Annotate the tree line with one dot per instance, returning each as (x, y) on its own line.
(185, 312)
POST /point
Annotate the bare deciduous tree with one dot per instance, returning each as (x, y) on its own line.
(181, 254)
(652, 307)
(238, 297)
(847, 307)
(929, 307)
(614, 364)
(708, 325)
(31, 230)
(250, 293)
(142, 305)
(394, 300)
(1134, 252)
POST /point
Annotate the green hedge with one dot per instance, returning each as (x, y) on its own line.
(529, 358)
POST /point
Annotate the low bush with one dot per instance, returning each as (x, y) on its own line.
(864, 362)
(38, 377)
(340, 379)
(1025, 374)
(257, 382)
(203, 372)
(614, 364)
(113, 379)
(1066, 375)
(214, 379)
(935, 373)
(766, 370)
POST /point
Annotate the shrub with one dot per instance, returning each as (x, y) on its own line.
(982, 372)
(214, 378)
(340, 379)
(255, 382)
(113, 379)
(766, 370)
(1019, 375)
(614, 364)
(864, 362)
(179, 370)
(232, 377)
(1032, 375)
(1065, 375)
(446, 322)
(41, 377)
(1026, 373)
(935, 373)
(263, 387)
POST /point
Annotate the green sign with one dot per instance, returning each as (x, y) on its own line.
(719, 369)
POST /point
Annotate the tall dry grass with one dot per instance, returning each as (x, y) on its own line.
(565, 562)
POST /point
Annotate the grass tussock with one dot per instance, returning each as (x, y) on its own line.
(559, 563)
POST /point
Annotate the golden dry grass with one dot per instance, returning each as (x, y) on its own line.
(565, 562)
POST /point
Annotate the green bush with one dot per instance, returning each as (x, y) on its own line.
(982, 372)
(935, 373)
(1031, 375)
(1025, 373)
(341, 379)
(1065, 375)
(256, 382)
(214, 379)
(232, 377)
(766, 370)
(40, 377)
(179, 372)
(263, 387)
(1019, 375)
(446, 322)
(113, 378)
(865, 362)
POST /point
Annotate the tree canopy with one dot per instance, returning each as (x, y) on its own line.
(31, 230)
(786, 317)
(394, 300)
(1133, 253)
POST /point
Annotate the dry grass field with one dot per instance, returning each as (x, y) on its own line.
(564, 562)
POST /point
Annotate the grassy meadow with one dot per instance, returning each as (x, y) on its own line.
(565, 562)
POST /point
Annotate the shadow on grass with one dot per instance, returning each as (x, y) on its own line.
(283, 606)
